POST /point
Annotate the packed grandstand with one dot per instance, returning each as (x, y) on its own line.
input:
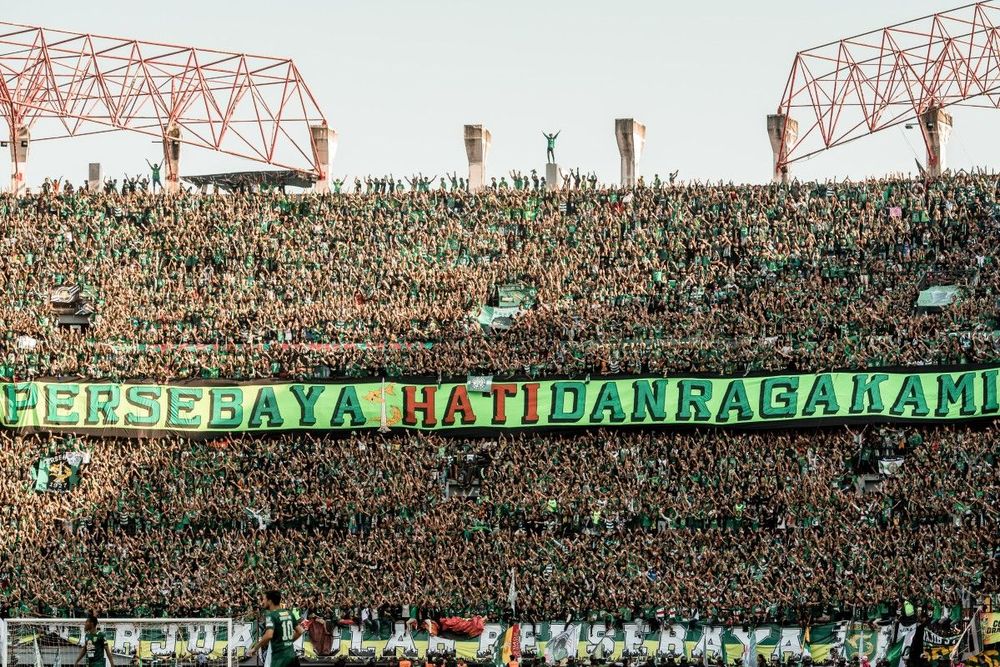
(872, 514)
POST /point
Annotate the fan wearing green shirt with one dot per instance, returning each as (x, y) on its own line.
(281, 628)
(155, 168)
(95, 646)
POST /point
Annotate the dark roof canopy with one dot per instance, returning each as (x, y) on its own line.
(238, 180)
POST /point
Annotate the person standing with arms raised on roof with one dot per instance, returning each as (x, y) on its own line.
(155, 168)
(550, 151)
(282, 627)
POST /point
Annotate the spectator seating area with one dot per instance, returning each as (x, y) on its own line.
(783, 526)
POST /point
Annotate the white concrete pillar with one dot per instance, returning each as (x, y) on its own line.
(784, 132)
(171, 167)
(95, 177)
(20, 142)
(936, 125)
(631, 136)
(324, 141)
(477, 147)
(553, 177)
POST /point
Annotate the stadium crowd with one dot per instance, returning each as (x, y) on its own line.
(609, 523)
(695, 277)
(387, 282)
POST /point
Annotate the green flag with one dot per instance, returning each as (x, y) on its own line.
(899, 651)
(59, 473)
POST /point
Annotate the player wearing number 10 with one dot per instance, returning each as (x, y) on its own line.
(281, 628)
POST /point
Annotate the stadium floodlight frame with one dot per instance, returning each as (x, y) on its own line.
(6, 624)
(249, 106)
(847, 89)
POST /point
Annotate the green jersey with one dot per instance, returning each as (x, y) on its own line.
(283, 623)
(94, 643)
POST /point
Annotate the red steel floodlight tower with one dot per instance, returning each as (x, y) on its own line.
(906, 73)
(71, 84)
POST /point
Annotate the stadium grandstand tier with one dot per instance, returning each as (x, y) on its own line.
(714, 278)
(795, 527)
(624, 524)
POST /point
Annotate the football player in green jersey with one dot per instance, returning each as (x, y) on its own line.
(281, 628)
(95, 646)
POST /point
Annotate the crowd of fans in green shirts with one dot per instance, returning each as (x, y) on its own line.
(384, 283)
(733, 526)
(697, 277)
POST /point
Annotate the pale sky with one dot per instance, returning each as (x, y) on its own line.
(398, 80)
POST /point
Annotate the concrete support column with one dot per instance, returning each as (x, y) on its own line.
(95, 177)
(784, 132)
(631, 136)
(936, 125)
(477, 147)
(324, 141)
(20, 141)
(172, 159)
(553, 177)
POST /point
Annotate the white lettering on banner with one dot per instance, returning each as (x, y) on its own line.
(489, 640)
(71, 633)
(440, 644)
(743, 637)
(166, 646)
(357, 643)
(401, 639)
(840, 637)
(671, 640)
(126, 639)
(634, 639)
(242, 638)
(935, 639)
(598, 640)
(710, 643)
(201, 639)
(300, 645)
(529, 642)
(790, 643)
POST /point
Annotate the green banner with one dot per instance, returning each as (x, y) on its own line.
(918, 394)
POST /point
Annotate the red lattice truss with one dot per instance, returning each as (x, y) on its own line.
(248, 106)
(848, 89)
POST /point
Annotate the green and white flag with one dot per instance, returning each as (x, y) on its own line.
(889, 466)
(563, 645)
(898, 653)
(938, 296)
(750, 655)
(498, 317)
(479, 383)
(516, 295)
(59, 473)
